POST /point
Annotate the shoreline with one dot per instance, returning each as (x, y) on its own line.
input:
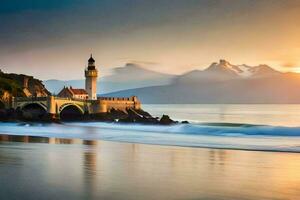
(4, 137)
(224, 136)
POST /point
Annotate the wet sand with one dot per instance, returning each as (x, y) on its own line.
(52, 168)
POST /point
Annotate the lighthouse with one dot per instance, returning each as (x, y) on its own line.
(91, 75)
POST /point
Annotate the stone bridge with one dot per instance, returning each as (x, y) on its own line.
(52, 105)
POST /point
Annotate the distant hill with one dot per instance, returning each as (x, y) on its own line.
(130, 76)
(224, 83)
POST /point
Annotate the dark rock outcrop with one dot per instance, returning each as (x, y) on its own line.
(166, 120)
(138, 116)
(143, 117)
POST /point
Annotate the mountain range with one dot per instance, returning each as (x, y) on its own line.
(223, 82)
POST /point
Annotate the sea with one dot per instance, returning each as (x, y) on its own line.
(247, 127)
(226, 151)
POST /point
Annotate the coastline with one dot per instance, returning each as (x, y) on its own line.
(131, 116)
(220, 136)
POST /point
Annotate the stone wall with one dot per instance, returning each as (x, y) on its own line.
(105, 104)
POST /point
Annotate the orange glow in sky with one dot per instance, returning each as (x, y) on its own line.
(49, 41)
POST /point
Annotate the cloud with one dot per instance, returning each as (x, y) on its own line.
(289, 64)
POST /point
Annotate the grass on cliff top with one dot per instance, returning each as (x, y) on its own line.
(10, 86)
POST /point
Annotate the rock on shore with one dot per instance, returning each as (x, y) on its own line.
(120, 116)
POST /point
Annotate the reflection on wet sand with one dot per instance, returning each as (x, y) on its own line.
(91, 169)
(37, 139)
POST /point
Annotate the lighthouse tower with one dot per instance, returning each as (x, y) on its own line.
(91, 74)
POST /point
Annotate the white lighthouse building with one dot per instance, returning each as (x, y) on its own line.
(91, 103)
(91, 75)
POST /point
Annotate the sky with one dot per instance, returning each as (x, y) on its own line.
(52, 39)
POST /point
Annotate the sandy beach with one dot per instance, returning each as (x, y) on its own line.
(52, 168)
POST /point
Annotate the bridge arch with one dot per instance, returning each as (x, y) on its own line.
(37, 104)
(71, 112)
(34, 111)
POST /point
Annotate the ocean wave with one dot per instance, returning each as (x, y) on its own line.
(209, 135)
(212, 129)
(222, 129)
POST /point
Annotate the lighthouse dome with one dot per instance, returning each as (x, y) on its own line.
(91, 60)
(91, 63)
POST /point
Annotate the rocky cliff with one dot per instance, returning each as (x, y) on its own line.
(20, 85)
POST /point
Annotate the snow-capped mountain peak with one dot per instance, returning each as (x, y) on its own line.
(243, 70)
